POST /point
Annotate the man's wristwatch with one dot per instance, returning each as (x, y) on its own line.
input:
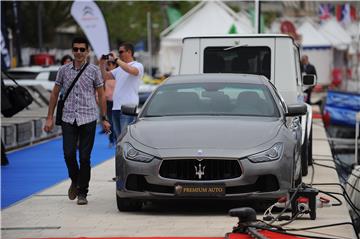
(104, 117)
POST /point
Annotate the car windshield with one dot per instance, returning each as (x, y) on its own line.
(211, 99)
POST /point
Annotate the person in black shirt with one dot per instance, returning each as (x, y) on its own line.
(308, 69)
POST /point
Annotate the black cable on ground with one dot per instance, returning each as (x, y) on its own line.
(323, 155)
(342, 187)
(330, 195)
(279, 229)
(348, 200)
(327, 160)
(287, 206)
(323, 165)
(352, 186)
(318, 227)
(293, 234)
(296, 216)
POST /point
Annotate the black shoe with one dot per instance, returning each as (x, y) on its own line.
(72, 193)
(82, 200)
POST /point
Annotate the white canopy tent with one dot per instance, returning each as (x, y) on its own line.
(311, 37)
(336, 34)
(319, 50)
(340, 40)
(353, 30)
(206, 18)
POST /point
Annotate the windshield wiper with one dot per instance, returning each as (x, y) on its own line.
(236, 46)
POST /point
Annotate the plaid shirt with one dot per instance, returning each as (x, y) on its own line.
(81, 103)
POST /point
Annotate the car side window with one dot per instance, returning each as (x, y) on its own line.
(52, 76)
(281, 100)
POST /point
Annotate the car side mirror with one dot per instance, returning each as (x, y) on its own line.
(296, 110)
(129, 110)
(309, 80)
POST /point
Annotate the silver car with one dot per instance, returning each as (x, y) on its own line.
(209, 136)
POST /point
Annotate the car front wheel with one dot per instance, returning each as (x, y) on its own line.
(305, 156)
(310, 158)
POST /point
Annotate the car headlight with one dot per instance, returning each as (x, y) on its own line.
(133, 154)
(271, 154)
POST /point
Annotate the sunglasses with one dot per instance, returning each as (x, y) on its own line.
(76, 49)
(121, 52)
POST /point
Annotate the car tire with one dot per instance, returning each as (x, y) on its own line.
(310, 156)
(298, 180)
(304, 156)
(127, 204)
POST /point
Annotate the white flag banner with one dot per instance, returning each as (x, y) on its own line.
(89, 16)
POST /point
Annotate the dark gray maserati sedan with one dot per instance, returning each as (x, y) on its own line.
(209, 136)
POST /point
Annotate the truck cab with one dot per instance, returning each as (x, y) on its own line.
(275, 56)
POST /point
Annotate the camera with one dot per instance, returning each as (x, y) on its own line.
(106, 57)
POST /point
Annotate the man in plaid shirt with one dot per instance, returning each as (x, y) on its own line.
(79, 116)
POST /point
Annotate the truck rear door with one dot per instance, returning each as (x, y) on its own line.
(237, 55)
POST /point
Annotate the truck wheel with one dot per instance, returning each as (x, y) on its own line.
(310, 156)
(304, 157)
(127, 204)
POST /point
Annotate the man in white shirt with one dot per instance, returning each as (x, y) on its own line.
(127, 76)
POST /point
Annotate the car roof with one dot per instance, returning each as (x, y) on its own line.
(240, 36)
(217, 78)
(35, 69)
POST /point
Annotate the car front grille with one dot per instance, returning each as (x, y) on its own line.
(195, 170)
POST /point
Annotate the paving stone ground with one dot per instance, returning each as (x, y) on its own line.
(51, 214)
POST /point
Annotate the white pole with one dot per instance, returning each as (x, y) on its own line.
(257, 16)
(149, 43)
(357, 123)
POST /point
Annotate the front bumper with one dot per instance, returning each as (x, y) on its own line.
(268, 180)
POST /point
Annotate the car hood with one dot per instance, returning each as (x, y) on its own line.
(205, 132)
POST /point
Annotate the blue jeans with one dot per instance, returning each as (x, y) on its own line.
(120, 121)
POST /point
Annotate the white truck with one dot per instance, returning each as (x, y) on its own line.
(275, 56)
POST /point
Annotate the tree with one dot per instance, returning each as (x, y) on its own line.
(126, 21)
(53, 15)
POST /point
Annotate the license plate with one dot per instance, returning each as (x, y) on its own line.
(200, 190)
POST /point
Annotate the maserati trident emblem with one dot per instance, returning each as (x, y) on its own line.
(199, 170)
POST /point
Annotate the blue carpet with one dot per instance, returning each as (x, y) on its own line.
(36, 168)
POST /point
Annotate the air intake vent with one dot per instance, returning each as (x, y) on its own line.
(206, 169)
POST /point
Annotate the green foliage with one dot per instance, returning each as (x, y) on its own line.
(126, 20)
(53, 14)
